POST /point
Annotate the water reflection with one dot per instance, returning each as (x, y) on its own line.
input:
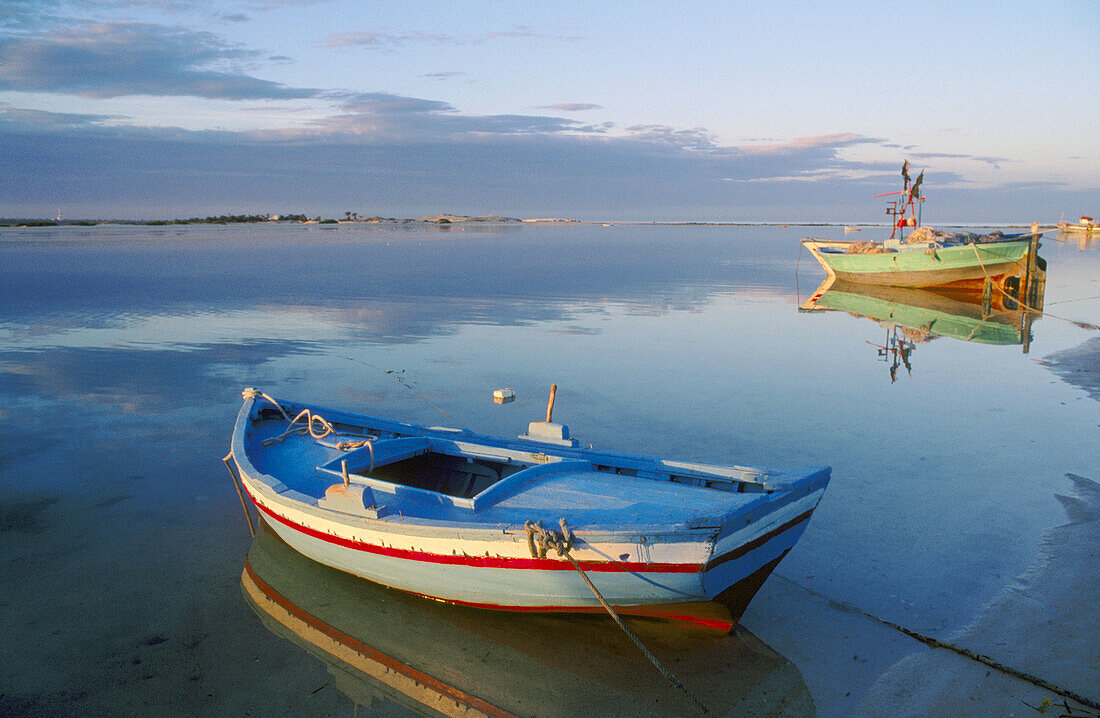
(385, 649)
(917, 316)
(390, 286)
(123, 352)
(1081, 239)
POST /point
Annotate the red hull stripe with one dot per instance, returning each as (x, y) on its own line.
(539, 564)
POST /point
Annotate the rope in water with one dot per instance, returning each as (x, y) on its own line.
(541, 540)
(397, 376)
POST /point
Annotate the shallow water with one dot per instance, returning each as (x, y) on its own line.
(123, 351)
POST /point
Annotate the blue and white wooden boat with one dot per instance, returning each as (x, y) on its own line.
(458, 516)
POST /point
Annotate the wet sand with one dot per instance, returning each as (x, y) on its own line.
(1043, 630)
(1046, 627)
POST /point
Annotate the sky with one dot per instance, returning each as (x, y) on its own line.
(665, 111)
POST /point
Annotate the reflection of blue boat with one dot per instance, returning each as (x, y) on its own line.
(457, 516)
(383, 645)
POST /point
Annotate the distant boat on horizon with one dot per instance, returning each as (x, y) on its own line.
(1086, 225)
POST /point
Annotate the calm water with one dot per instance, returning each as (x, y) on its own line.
(123, 351)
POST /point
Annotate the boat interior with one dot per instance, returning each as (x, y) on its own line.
(464, 467)
(464, 477)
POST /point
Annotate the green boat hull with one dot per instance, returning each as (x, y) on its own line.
(920, 267)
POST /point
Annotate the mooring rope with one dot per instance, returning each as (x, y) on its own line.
(400, 379)
(251, 393)
(240, 493)
(1020, 301)
(312, 419)
(541, 540)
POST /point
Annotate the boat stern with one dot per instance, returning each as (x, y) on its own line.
(752, 544)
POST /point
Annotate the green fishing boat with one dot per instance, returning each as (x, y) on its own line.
(925, 257)
(923, 264)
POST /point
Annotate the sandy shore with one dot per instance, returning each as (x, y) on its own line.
(1044, 627)
(1079, 366)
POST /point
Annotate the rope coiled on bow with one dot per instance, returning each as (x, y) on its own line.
(540, 540)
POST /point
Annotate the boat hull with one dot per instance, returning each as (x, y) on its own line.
(379, 643)
(1079, 228)
(922, 268)
(712, 584)
(705, 574)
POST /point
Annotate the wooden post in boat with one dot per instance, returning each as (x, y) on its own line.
(1027, 288)
(1029, 268)
(550, 406)
(344, 469)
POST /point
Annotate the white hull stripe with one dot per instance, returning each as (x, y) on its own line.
(541, 564)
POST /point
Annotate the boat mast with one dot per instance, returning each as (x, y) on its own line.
(898, 207)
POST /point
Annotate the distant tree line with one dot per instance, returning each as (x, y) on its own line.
(226, 219)
(233, 219)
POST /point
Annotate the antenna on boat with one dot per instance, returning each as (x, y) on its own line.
(547, 431)
(550, 405)
(898, 207)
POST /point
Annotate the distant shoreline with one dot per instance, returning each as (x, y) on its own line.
(451, 219)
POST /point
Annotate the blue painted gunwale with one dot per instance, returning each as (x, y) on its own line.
(723, 537)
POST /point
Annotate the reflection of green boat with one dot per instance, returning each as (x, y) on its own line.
(385, 645)
(924, 314)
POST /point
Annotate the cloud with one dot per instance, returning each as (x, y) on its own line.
(102, 60)
(395, 156)
(382, 117)
(444, 75)
(570, 106)
(43, 119)
(20, 14)
(383, 103)
(386, 40)
(391, 41)
(697, 138)
(398, 155)
(994, 162)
